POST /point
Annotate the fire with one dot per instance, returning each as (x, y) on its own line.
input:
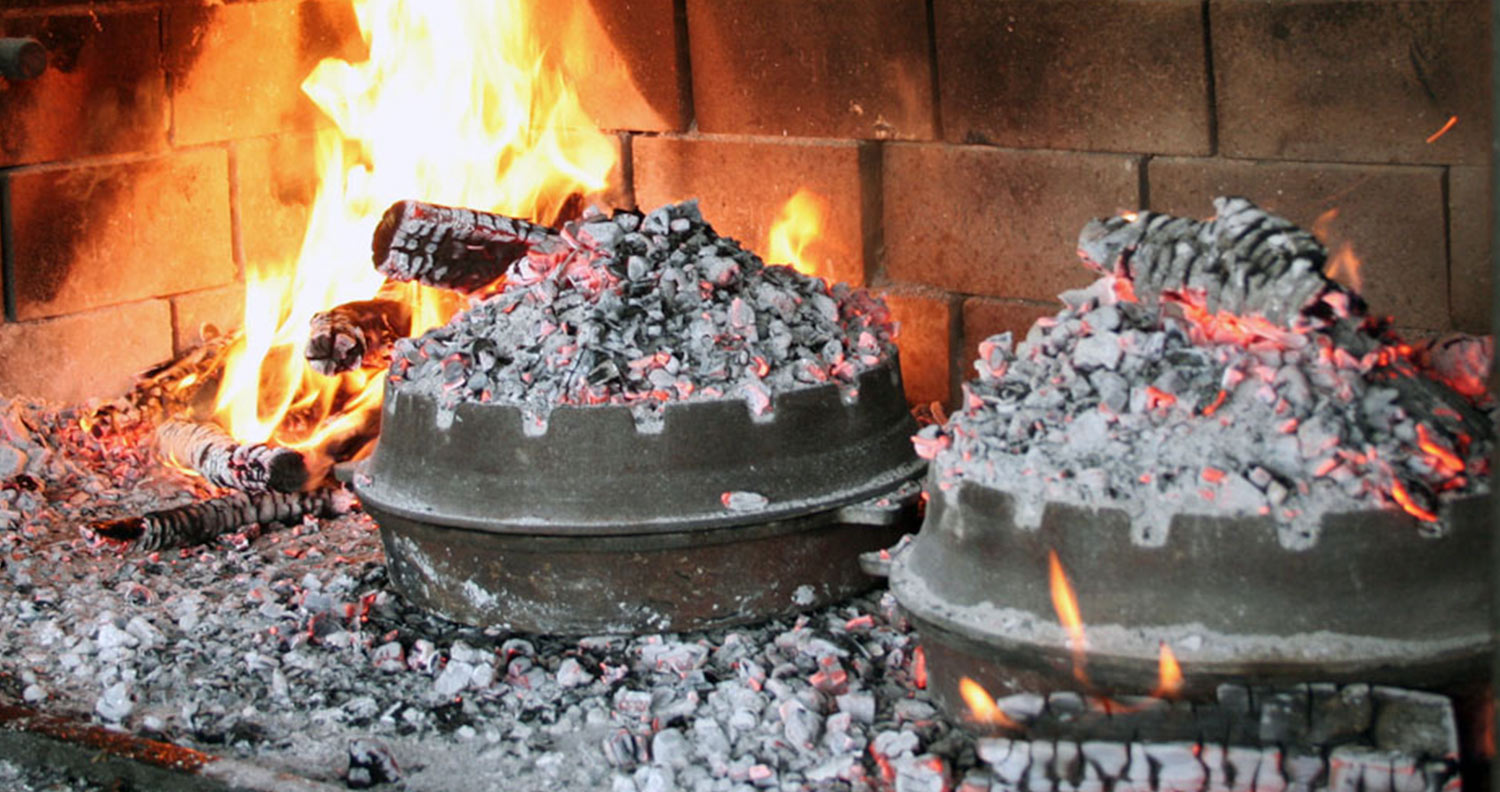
(982, 706)
(1066, 605)
(798, 227)
(459, 103)
(1343, 265)
(1169, 674)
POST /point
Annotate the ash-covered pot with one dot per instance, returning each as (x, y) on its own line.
(1260, 478)
(647, 429)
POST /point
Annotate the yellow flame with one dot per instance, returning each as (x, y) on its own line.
(459, 103)
(1066, 605)
(1169, 674)
(982, 706)
(798, 227)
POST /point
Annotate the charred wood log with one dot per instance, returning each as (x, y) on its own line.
(451, 247)
(221, 460)
(177, 385)
(1245, 261)
(356, 335)
(1316, 736)
(197, 523)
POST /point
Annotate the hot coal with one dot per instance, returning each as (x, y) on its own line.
(643, 310)
(290, 647)
(1244, 260)
(1164, 406)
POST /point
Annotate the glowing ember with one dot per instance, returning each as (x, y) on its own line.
(1169, 674)
(1066, 605)
(1452, 120)
(982, 706)
(798, 227)
(1443, 455)
(1404, 500)
(511, 138)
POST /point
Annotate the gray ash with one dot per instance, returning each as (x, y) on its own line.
(642, 311)
(288, 647)
(1164, 406)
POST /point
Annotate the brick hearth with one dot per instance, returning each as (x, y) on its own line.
(961, 145)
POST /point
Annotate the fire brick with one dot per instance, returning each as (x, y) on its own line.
(1469, 248)
(93, 235)
(105, 350)
(276, 182)
(1097, 75)
(1392, 217)
(103, 91)
(222, 308)
(997, 222)
(628, 59)
(830, 68)
(983, 318)
(1360, 81)
(925, 318)
(743, 185)
(237, 69)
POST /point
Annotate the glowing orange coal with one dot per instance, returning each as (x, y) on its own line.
(795, 233)
(982, 707)
(459, 103)
(1066, 605)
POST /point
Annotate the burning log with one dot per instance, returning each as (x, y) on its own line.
(221, 460)
(1245, 261)
(171, 387)
(451, 247)
(197, 523)
(356, 335)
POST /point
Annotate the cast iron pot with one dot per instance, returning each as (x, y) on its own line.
(596, 526)
(1373, 601)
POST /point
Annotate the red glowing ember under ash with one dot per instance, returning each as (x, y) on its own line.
(1391, 359)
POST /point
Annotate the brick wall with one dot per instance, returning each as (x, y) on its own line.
(960, 145)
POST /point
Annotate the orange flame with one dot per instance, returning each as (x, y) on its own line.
(457, 104)
(798, 227)
(1066, 606)
(1168, 674)
(982, 706)
(1343, 265)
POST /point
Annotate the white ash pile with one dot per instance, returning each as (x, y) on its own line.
(1216, 370)
(642, 311)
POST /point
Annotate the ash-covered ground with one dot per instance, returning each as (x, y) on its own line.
(287, 647)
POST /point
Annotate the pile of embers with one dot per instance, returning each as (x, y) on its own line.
(625, 309)
(1215, 369)
(290, 650)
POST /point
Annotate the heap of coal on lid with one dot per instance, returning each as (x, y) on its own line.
(641, 311)
(1216, 370)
